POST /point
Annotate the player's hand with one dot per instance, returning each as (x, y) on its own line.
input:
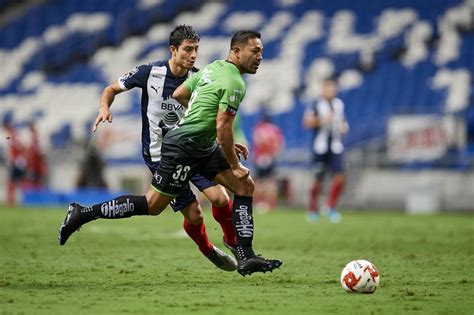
(241, 150)
(241, 172)
(103, 116)
(327, 120)
(343, 127)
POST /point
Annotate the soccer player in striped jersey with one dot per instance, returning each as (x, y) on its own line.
(16, 161)
(160, 113)
(203, 142)
(327, 119)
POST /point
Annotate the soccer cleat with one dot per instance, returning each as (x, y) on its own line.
(231, 248)
(222, 260)
(313, 217)
(71, 223)
(334, 216)
(257, 264)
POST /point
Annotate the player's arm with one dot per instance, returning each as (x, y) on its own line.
(225, 138)
(137, 77)
(344, 126)
(312, 120)
(106, 100)
(182, 94)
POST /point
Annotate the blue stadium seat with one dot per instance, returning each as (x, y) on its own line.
(389, 88)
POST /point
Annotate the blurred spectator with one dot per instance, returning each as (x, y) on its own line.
(16, 162)
(91, 173)
(267, 141)
(327, 119)
(35, 161)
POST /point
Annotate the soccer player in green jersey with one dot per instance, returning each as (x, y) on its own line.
(203, 142)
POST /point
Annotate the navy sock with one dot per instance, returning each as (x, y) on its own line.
(243, 222)
(118, 208)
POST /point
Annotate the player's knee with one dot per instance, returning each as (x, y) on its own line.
(155, 204)
(247, 188)
(220, 200)
(217, 195)
(152, 205)
(153, 208)
(193, 214)
(340, 177)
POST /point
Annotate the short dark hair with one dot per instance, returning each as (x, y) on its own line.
(241, 38)
(181, 33)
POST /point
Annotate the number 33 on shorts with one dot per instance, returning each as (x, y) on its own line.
(181, 172)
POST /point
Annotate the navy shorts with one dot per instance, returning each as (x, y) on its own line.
(265, 171)
(16, 173)
(328, 161)
(186, 196)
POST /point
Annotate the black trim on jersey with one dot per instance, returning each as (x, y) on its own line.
(145, 126)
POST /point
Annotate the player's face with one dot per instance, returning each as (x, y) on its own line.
(251, 56)
(186, 54)
(329, 90)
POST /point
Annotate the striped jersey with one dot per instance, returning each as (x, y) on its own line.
(328, 137)
(159, 111)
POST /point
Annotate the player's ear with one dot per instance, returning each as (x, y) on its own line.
(173, 50)
(236, 50)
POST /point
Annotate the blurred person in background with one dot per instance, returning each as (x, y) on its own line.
(326, 118)
(16, 161)
(160, 113)
(36, 167)
(91, 171)
(267, 142)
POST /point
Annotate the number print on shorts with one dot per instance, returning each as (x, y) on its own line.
(181, 172)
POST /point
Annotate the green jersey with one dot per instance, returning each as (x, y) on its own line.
(217, 86)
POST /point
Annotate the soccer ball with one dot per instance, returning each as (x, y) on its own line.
(360, 276)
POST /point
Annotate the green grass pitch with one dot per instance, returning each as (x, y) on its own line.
(145, 265)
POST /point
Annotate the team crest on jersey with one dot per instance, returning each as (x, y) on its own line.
(235, 97)
(129, 74)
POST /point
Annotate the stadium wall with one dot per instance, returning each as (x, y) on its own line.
(367, 189)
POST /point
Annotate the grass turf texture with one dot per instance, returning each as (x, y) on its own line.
(145, 265)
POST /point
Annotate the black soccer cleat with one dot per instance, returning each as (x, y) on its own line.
(257, 264)
(71, 223)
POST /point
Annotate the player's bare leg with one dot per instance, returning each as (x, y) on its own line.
(194, 226)
(242, 217)
(313, 211)
(337, 185)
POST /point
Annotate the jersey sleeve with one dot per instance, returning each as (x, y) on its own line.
(137, 77)
(231, 96)
(192, 81)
